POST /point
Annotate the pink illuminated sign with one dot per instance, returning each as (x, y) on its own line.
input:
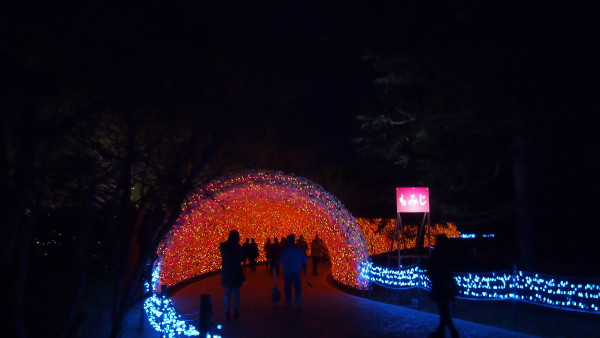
(412, 199)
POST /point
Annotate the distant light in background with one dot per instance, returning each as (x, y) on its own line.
(475, 236)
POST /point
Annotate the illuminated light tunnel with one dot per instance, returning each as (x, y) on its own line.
(260, 205)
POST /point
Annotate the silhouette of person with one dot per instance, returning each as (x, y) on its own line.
(252, 254)
(267, 249)
(301, 243)
(443, 285)
(282, 242)
(324, 252)
(293, 261)
(232, 274)
(274, 251)
(315, 253)
(246, 248)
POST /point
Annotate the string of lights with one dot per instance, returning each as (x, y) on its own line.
(552, 291)
(529, 287)
(163, 316)
(260, 205)
(161, 313)
(379, 234)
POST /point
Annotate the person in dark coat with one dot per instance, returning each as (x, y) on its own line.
(252, 254)
(267, 249)
(232, 274)
(303, 245)
(274, 251)
(315, 252)
(246, 248)
(443, 285)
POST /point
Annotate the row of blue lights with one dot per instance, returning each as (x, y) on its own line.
(520, 285)
(470, 236)
(523, 286)
(162, 314)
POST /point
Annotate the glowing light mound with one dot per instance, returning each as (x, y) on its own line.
(261, 205)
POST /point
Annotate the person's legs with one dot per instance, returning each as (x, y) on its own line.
(227, 301)
(443, 311)
(449, 322)
(236, 302)
(315, 264)
(287, 287)
(298, 288)
(445, 320)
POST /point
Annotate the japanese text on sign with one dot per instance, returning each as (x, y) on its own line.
(413, 199)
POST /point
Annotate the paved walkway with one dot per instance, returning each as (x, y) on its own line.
(327, 312)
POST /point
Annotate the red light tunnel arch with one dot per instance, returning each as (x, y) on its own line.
(260, 205)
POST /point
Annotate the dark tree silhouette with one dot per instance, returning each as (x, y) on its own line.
(114, 112)
(473, 100)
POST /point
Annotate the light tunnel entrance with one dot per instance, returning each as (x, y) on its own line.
(260, 205)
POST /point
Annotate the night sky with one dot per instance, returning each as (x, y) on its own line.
(298, 77)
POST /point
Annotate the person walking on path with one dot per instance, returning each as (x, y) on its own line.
(246, 249)
(252, 254)
(274, 251)
(301, 243)
(315, 253)
(232, 274)
(443, 285)
(267, 249)
(293, 260)
(325, 259)
(282, 242)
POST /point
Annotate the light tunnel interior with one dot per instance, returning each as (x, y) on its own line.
(260, 205)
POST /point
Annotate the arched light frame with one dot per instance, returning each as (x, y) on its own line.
(260, 204)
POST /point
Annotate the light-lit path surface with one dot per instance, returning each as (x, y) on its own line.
(327, 312)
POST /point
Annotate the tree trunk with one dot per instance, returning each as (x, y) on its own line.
(127, 289)
(17, 230)
(521, 165)
(72, 321)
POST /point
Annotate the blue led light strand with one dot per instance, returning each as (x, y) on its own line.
(405, 278)
(551, 291)
(163, 316)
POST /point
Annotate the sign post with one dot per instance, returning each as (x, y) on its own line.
(412, 200)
